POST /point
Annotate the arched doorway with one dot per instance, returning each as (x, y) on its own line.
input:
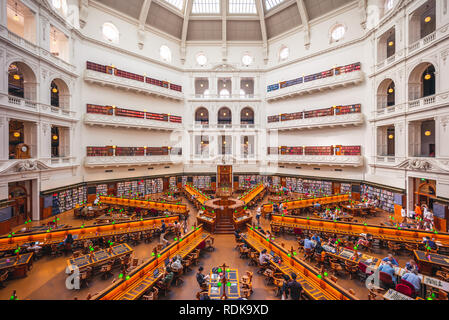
(59, 94)
(422, 81)
(20, 197)
(386, 95)
(425, 192)
(21, 81)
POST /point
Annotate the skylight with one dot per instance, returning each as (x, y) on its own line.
(176, 3)
(206, 6)
(242, 6)
(269, 4)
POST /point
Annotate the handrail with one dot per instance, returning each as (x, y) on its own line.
(145, 204)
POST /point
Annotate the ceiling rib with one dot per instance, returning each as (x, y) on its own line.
(263, 28)
(224, 50)
(185, 26)
(305, 22)
(142, 18)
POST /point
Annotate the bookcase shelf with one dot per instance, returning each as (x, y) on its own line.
(386, 197)
(129, 113)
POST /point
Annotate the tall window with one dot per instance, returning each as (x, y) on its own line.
(165, 53)
(284, 52)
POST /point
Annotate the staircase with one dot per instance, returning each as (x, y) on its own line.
(224, 226)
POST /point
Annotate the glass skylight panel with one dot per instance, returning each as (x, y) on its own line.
(242, 6)
(206, 6)
(269, 4)
(176, 3)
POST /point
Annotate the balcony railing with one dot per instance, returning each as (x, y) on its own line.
(309, 119)
(426, 101)
(22, 104)
(326, 160)
(107, 161)
(106, 79)
(35, 49)
(227, 97)
(422, 42)
(386, 62)
(344, 79)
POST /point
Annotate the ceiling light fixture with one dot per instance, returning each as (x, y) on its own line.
(390, 44)
(16, 134)
(16, 77)
(16, 16)
(391, 137)
(427, 19)
(391, 90)
(428, 133)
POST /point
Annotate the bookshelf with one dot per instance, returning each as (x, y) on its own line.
(99, 151)
(107, 110)
(175, 119)
(319, 113)
(291, 183)
(132, 76)
(129, 151)
(316, 76)
(354, 108)
(272, 119)
(129, 113)
(345, 187)
(102, 189)
(201, 182)
(386, 197)
(247, 181)
(319, 151)
(121, 112)
(315, 187)
(339, 110)
(172, 182)
(157, 116)
(68, 199)
(351, 150)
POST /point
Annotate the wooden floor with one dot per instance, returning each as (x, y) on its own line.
(47, 278)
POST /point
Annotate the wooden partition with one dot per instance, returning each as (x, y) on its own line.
(176, 208)
(297, 204)
(380, 232)
(11, 242)
(199, 196)
(252, 193)
(317, 288)
(121, 287)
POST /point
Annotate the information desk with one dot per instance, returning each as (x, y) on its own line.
(428, 261)
(88, 232)
(148, 274)
(175, 208)
(199, 196)
(19, 265)
(254, 192)
(307, 276)
(207, 221)
(99, 257)
(232, 286)
(299, 204)
(355, 229)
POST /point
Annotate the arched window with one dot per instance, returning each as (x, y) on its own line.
(165, 53)
(386, 94)
(110, 33)
(54, 94)
(337, 32)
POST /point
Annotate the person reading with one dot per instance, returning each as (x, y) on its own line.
(264, 257)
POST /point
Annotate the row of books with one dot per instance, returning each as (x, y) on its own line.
(68, 199)
(316, 187)
(385, 197)
(345, 188)
(316, 76)
(202, 182)
(316, 151)
(102, 189)
(337, 110)
(108, 151)
(139, 188)
(133, 76)
(120, 112)
(247, 181)
(172, 182)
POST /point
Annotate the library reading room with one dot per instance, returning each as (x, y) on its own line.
(224, 150)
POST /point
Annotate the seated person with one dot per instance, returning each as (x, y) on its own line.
(387, 267)
(318, 248)
(317, 206)
(264, 257)
(365, 240)
(200, 277)
(237, 235)
(390, 259)
(429, 243)
(413, 278)
(167, 279)
(308, 244)
(411, 265)
(316, 238)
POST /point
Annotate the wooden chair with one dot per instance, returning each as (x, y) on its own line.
(187, 262)
(164, 287)
(106, 271)
(351, 268)
(253, 258)
(177, 277)
(394, 247)
(308, 254)
(3, 278)
(268, 274)
(276, 230)
(195, 256)
(210, 244)
(56, 250)
(153, 294)
(410, 247)
(335, 266)
(201, 294)
(78, 253)
(243, 252)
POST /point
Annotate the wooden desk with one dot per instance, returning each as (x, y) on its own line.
(82, 233)
(394, 295)
(144, 277)
(199, 196)
(232, 287)
(349, 255)
(144, 204)
(113, 217)
(253, 193)
(355, 229)
(307, 276)
(18, 266)
(428, 261)
(99, 257)
(208, 222)
(299, 204)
